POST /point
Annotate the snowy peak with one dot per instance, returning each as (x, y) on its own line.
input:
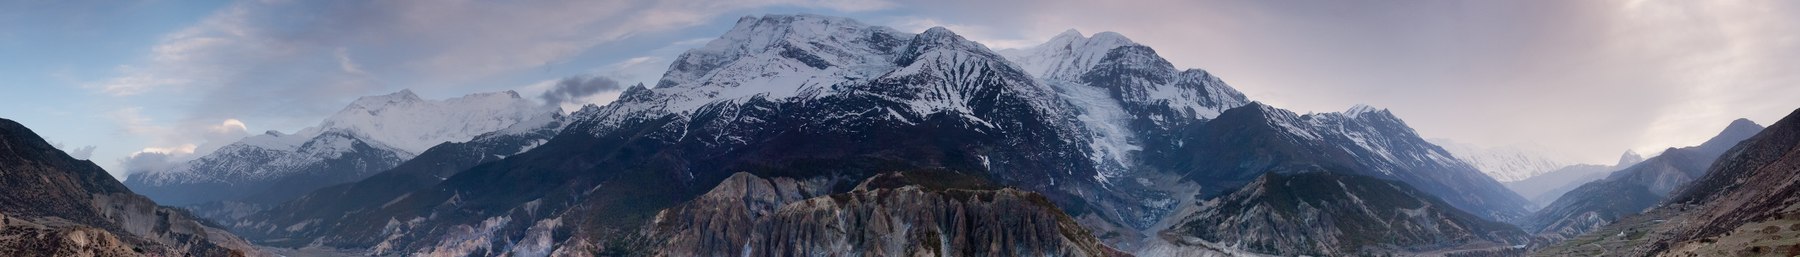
(1068, 55)
(1360, 109)
(1135, 75)
(405, 96)
(1503, 163)
(810, 41)
(769, 57)
(404, 121)
(1362, 113)
(1629, 158)
(1269, 113)
(941, 39)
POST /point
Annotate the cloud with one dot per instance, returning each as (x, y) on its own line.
(154, 159)
(172, 142)
(82, 153)
(572, 88)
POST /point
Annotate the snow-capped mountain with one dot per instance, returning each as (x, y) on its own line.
(370, 135)
(802, 95)
(1545, 188)
(1068, 56)
(1117, 143)
(404, 121)
(327, 206)
(1504, 163)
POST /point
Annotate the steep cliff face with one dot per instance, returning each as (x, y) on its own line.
(888, 215)
(1322, 213)
(722, 221)
(55, 205)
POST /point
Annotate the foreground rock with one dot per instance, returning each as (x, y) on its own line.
(56, 205)
(890, 215)
(1322, 213)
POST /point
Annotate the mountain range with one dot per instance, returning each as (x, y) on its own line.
(1544, 189)
(1742, 204)
(1507, 164)
(1636, 188)
(1097, 137)
(812, 135)
(370, 135)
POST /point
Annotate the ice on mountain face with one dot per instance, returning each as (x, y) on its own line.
(1107, 125)
(1105, 76)
(1059, 64)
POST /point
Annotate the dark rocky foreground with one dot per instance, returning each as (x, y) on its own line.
(55, 205)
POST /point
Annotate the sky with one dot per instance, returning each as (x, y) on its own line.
(1584, 80)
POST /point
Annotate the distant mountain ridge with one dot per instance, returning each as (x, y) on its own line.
(1543, 189)
(372, 134)
(1506, 164)
(1743, 204)
(1636, 188)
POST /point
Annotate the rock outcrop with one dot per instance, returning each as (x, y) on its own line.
(56, 205)
(888, 215)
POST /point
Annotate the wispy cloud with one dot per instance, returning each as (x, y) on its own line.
(82, 152)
